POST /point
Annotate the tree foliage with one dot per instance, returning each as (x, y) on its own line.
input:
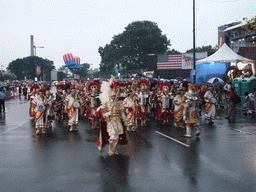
(250, 24)
(83, 71)
(173, 51)
(130, 48)
(207, 48)
(26, 67)
(4, 77)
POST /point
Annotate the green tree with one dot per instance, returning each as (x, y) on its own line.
(4, 77)
(173, 51)
(207, 48)
(130, 48)
(250, 24)
(109, 59)
(26, 67)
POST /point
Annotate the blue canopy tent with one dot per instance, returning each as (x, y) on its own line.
(206, 71)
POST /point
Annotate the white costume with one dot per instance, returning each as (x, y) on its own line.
(71, 111)
(210, 109)
(39, 116)
(130, 106)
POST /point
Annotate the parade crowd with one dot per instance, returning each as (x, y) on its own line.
(115, 107)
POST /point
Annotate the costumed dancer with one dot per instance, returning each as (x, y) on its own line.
(49, 115)
(179, 102)
(93, 88)
(84, 102)
(158, 103)
(191, 111)
(72, 106)
(122, 91)
(66, 94)
(130, 106)
(40, 102)
(210, 109)
(129, 86)
(166, 103)
(153, 101)
(143, 104)
(113, 113)
(201, 93)
(59, 102)
(34, 93)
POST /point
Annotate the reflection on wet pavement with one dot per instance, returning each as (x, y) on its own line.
(222, 159)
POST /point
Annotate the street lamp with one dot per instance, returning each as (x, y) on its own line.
(37, 47)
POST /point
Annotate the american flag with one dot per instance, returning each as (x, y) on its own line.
(168, 62)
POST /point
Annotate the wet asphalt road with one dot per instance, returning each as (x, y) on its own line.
(222, 159)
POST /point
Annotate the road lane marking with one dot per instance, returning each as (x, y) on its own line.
(172, 139)
(18, 126)
(241, 131)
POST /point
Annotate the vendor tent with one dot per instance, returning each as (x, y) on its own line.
(206, 71)
(224, 55)
(218, 64)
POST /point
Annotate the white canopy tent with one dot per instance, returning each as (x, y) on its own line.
(224, 55)
(227, 55)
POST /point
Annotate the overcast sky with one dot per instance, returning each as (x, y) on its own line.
(81, 26)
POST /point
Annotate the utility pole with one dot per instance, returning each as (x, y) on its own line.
(194, 43)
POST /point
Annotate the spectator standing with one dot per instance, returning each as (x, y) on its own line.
(227, 87)
(201, 93)
(2, 100)
(20, 90)
(231, 106)
(249, 103)
(254, 94)
(25, 91)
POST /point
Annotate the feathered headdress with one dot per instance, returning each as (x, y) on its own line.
(122, 84)
(46, 88)
(107, 89)
(165, 85)
(35, 86)
(60, 86)
(31, 88)
(159, 84)
(142, 82)
(93, 84)
(128, 83)
(191, 86)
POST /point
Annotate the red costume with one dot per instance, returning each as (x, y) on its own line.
(34, 89)
(93, 88)
(164, 104)
(143, 103)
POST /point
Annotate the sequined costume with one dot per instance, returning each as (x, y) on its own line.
(191, 112)
(210, 109)
(178, 101)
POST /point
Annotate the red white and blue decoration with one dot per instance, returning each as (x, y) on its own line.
(69, 60)
(77, 62)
